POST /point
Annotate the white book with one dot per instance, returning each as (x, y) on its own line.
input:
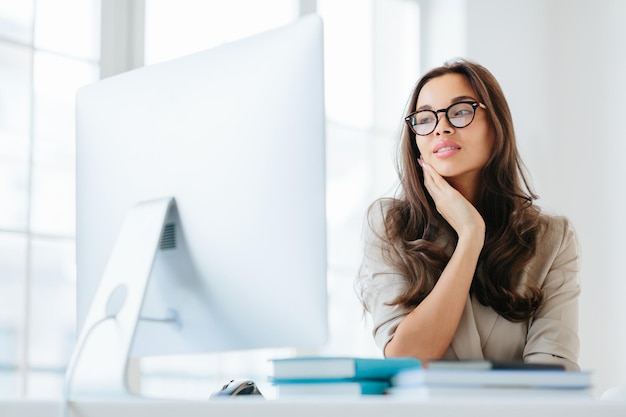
(492, 378)
(481, 365)
(425, 392)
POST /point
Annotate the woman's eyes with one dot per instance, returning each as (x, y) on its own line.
(424, 120)
(462, 112)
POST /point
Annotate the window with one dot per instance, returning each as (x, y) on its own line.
(46, 53)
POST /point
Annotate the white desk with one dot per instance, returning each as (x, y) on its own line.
(316, 407)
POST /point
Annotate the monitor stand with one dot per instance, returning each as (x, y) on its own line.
(99, 361)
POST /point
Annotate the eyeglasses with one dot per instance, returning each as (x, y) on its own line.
(460, 114)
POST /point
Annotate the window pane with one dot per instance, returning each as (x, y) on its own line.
(9, 383)
(16, 18)
(52, 314)
(56, 82)
(348, 334)
(15, 64)
(395, 69)
(349, 188)
(12, 269)
(69, 27)
(13, 195)
(51, 336)
(54, 198)
(174, 29)
(45, 385)
(348, 61)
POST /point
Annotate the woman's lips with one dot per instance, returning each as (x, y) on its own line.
(445, 149)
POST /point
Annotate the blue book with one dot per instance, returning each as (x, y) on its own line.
(350, 388)
(321, 367)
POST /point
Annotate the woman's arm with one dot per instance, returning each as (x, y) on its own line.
(427, 331)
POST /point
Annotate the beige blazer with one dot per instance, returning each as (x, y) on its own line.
(551, 335)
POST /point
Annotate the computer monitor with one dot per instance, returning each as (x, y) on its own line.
(201, 184)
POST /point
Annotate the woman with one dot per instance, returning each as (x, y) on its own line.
(462, 264)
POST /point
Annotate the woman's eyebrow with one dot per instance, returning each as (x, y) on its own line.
(454, 100)
(462, 98)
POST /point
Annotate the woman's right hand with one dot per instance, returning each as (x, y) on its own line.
(453, 206)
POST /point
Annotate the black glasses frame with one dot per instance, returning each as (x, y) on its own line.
(475, 104)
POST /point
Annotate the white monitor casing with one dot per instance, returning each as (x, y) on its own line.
(228, 144)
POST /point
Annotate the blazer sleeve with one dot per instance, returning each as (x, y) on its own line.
(553, 331)
(378, 284)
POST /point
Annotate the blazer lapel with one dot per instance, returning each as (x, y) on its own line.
(466, 342)
(485, 320)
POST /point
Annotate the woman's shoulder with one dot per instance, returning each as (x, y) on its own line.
(555, 226)
(378, 211)
(556, 238)
(382, 205)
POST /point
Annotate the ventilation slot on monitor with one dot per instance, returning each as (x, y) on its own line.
(168, 238)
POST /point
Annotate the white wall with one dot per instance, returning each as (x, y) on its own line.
(562, 65)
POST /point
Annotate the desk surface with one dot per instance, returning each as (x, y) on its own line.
(315, 407)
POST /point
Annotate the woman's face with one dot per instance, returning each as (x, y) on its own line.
(457, 154)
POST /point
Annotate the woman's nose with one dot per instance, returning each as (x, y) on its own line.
(443, 125)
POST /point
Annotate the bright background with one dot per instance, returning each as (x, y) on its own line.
(560, 63)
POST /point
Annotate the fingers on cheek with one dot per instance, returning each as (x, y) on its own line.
(428, 182)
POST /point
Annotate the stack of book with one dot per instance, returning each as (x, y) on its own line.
(446, 379)
(332, 376)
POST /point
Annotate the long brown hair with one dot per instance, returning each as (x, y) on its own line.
(414, 230)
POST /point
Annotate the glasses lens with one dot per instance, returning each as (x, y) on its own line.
(461, 114)
(423, 122)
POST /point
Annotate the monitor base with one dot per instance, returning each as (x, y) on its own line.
(100, 359)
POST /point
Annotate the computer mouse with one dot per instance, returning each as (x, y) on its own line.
(238, 387)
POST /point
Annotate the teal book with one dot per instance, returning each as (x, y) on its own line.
(325, 367)
(347, 388)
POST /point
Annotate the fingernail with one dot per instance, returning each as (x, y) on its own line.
(419, 162)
